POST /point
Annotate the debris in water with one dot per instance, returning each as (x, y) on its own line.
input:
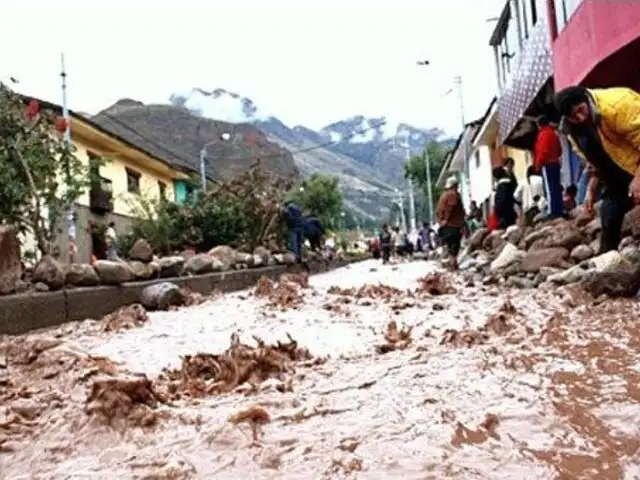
(435, 284)
(125, 318)
(207, 374)
(375, 292)
(283, 295)
(396, 339)
(256, 416)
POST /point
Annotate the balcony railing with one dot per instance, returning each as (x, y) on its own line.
(101, 196)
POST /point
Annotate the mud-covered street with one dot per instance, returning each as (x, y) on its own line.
(381, 372)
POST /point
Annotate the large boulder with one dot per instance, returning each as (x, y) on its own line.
(225, 254)
(611, 260)
(564, 235)
(508, 256)
(50, 272)
(575, 274)
(161, 296)
(581, 253)
(10, 264)
(534, 260)
(593, 228)
(114, 272)
(537, 234)
(81, 275)
(631, 253)
(615, 282)
(243, 258)
(170, 266)
(141, 251)
(493, 241)
(263, 253)
(631, 224)
(199, 264)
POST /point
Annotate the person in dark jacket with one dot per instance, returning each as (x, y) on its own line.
(314, 232)
(295, 225)
(504, 203)
(385, 243)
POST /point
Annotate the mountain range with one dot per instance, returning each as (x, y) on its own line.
(366, 154)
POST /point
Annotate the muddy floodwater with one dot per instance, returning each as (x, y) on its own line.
(426, 376)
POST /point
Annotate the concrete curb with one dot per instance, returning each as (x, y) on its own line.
(23, 313)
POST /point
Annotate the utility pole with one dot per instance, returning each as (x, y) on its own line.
(465, 146)
(427, 163)
(412, 205)
(71, 214)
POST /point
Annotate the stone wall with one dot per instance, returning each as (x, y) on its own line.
(22, 313)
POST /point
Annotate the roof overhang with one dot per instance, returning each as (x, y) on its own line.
(488, 131)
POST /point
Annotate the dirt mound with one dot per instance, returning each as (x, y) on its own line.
(207, 374)
(396, 339)
(282, 295)
(125, 318)
(128, 401)
(435, 284)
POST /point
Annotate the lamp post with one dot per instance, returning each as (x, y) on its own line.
(224, 137)
(427, 161)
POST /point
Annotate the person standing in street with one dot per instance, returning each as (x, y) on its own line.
(295, 226)
(385, 243)
(603, 126)
(547, 152)
(450, 214)
(314, 232)
(504, 203)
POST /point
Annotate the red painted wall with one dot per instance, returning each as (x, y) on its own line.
(597, 30)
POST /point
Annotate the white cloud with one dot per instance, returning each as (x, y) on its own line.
(309, 63)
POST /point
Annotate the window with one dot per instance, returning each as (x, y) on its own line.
(163, 190)
(133, 181)
(94, 164)
(523, 17)
(564, 10)
(189, 190)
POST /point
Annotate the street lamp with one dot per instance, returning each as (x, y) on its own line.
(224, 137)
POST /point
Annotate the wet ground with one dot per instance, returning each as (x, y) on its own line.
(433, 379)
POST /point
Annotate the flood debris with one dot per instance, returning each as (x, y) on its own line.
(209, 374)
(123, 402)
(395, 338)
(125, 318)
(256, 416)
(284, 294)
(497, 324)
(435, 284)
(487, 429)
(369, 291)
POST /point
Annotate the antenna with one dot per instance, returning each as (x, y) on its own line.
(65, 109)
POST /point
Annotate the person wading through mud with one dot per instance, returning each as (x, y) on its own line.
(450, 214)
(385, 243)
(603, 126)
(295, 225)
(504, 200)
(547, 152)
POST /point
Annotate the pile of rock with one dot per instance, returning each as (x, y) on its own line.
(140, 264)
(555, 252)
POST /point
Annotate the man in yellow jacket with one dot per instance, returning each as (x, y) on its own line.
(603, 126)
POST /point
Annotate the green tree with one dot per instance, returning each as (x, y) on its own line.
(415, 170)
(40, 177)
(320, 195)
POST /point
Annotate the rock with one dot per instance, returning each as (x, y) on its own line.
(170, 266)
(141, 251)
(493, 241)
(615, 282)
(263, 253)
(631, 224)
(563, 235)
(161, 296)
(627, 242)
(289, 259)
(593, 228)
(225, 254)
(631, 253)
(198, 264)
(582, 252)
(244, 258)
(595, 245)
(608, 261)
(27, 408)
(258, 261)
(534, 260)
(520, 282)
(22, 286)
(144, 271)
(41, 287)
(536, 235)
(217, 266)
(574, 274)
(476, 239)
(81, 275)
(514, 234)
(10, 262)
(547, 272)
(114, 273)
(582, 216)
(49, 272)
(509, 255)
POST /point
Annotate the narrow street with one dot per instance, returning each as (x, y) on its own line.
(489, 383)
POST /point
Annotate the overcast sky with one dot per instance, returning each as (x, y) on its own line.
(307, 62)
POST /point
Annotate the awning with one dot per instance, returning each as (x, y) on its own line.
(534, 69)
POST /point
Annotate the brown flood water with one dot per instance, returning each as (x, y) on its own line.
(424, 380)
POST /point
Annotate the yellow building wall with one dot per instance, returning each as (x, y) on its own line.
(114, 169)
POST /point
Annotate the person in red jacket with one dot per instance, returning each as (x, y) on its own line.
(547, 153)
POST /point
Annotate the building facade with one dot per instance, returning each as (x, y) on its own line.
(595, 43)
